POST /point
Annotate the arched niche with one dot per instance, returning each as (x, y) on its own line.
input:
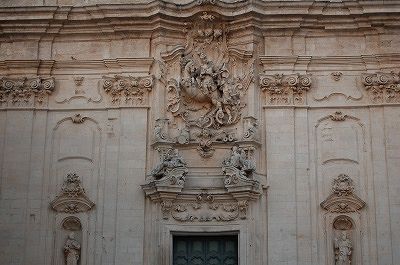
(65, 225)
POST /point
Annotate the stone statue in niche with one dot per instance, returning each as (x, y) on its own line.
(72, 250)
(343, 249)
(238, 160)
(172, 159)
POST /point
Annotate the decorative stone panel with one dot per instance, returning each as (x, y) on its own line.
(131, 90)
(382, 87)
(23, 89)
(281, 89)
(72, 198)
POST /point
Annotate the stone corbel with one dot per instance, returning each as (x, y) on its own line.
(283, 89)
(167, 180)
(240, 179)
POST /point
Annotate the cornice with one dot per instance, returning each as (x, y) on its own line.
(159, 14)
(131, 64)
(351, 63)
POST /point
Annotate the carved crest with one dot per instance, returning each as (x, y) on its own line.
(72, 198)
(343, 199)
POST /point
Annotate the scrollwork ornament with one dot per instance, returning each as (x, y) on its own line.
(285, 89)
(72, 198)
(128, 89)
(208, 93)
(382, 87)
(22, 90)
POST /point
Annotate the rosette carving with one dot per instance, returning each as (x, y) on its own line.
(128, 89)
(285, 89)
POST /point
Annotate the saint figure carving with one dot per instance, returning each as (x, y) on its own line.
(172, 159)
(239, 160)
(72, 250)
(343, 249)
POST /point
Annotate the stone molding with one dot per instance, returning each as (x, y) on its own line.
(22, 90)
(304, 15)
(382, 87)
(342, 199)
(72, 198)
(281, 89)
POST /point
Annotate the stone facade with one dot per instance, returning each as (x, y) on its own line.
(124, 124)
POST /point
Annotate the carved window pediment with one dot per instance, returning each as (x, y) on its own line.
(72, 198)
(343, 199)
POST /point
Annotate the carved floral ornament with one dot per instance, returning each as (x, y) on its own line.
(128, 89)
(72, 198)
(343, 199)
(16, 90)
(383, 87)
(283, 89)
(167, 184)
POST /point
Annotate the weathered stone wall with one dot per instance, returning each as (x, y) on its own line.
(94, 89)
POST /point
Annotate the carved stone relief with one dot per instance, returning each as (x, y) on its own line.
(84, 89)
(283, 89)
(336, 76)
(382, 87)
(72, 250)
(342, 206)
(343, 199)
(128, 89)
(204, 209)
(167, 183)
(206, 95)
(343, 249)
(167, 180)
(24, 90)
(72, 198)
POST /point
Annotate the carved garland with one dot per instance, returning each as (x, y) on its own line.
(285, 89)
(23, 89)
(383, 87)
(128, 89)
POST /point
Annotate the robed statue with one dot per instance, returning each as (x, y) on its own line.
(343, 249)
(72, 250)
